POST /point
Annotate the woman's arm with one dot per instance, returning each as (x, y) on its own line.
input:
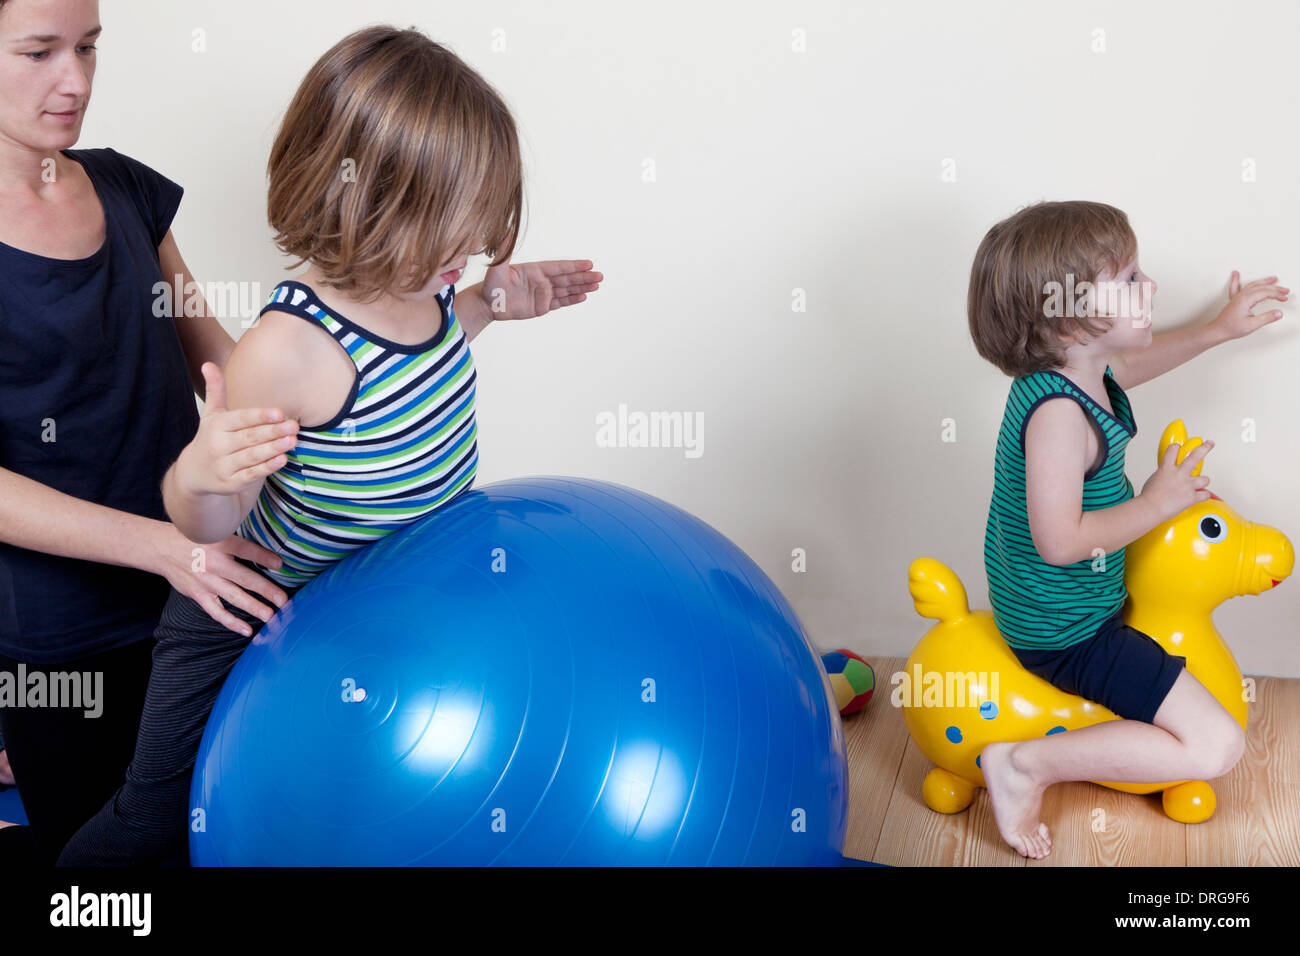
(201, 517)
(202, 337)
(249, 423)
(40, 518)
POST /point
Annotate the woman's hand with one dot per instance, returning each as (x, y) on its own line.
(531, 289)
(207, 572)
(232, 450)
(1236, 320)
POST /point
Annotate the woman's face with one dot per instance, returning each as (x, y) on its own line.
(47, 62)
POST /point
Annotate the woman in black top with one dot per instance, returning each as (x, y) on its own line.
(96, 401)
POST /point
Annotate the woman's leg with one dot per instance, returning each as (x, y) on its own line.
(146, 821)
(66, 762)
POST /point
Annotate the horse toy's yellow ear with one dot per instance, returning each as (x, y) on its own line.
(1176, 434)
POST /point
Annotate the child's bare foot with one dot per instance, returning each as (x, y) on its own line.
(1016, 802)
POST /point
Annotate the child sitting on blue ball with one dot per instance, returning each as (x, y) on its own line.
(351, 401)
(1063, 510)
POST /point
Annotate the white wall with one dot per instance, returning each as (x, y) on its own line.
(778, 169)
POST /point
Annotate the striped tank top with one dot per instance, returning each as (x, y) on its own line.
(1037, 605)
(403, 445)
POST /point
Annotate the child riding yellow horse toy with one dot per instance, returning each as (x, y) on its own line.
(965, 689)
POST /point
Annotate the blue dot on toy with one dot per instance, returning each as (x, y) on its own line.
(988, 710)
(953, 734)
(547, 671)
(1055, 730)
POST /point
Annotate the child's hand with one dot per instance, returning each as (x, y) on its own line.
(1235, 320)
(233, 450)
(534, 288)
(1173, 488)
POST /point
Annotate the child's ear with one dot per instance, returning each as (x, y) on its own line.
(1069, 334)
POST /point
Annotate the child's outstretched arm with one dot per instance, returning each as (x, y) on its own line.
(1055, 462)
(1171, 349)
(524, 291)
(218, 476)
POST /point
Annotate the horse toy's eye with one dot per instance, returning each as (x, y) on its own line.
(1213, 528)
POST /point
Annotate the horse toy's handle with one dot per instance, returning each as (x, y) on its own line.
(1176, 434)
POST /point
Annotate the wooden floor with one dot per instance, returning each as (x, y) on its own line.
(1256, 823)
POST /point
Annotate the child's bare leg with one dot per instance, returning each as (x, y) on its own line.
(1193, 738)
(1017, 798)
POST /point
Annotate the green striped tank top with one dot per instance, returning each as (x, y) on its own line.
(403, 445)
(1037, 605)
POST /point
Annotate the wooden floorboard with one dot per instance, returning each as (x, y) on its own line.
(1256, 822)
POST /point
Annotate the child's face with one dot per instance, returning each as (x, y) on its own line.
(449, 273)
(1124, 296)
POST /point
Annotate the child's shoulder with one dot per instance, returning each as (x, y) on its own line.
(292, 364)
(1047, 409)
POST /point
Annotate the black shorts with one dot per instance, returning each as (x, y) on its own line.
(1118, 667)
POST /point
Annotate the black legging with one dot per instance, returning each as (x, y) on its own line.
(66, 763)
(146, 821)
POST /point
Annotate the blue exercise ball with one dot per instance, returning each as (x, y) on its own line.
(548, 671)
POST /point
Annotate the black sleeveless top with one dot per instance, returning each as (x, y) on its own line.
(96, 402)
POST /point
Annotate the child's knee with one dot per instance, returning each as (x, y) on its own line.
(153, 809)
(1223, 750)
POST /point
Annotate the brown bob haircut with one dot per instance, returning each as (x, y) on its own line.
(395, 157)
(1040, 244)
